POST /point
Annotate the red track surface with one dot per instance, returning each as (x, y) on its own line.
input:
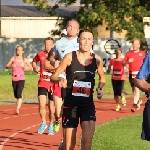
(20, 132)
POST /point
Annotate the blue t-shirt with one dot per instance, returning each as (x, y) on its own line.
(65, 46)
(145, 68)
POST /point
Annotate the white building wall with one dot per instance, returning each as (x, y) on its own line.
(28, 27)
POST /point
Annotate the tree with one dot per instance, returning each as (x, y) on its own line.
(118, 15)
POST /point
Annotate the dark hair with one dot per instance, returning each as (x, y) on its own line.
(73, 20)
(48, 38)
(84, 30)
(118, 49)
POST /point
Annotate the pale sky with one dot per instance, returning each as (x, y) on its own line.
(21, 3)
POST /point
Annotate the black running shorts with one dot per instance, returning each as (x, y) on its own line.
(131, 80)
(118, 86)
(71, 116)
(44, 91)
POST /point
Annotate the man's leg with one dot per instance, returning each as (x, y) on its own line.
(136, 96)
(58, 112)
(88, 128)
(42, 108)
(51, 108)
(88, 119)
(70, 122)
(116, 96)
(58, 106)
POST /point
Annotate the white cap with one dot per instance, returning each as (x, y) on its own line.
(63, 32)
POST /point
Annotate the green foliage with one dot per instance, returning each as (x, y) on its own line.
(117, 14)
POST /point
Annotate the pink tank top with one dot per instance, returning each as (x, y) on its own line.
(18, 70)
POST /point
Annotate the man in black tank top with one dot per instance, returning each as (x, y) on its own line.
(78, 104)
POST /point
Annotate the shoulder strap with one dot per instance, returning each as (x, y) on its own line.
(74, 56)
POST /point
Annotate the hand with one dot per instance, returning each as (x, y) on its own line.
(13, 65)
(36, 70)
(56, 64)
(63, 83)
(99, 93)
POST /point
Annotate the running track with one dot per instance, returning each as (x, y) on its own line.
(20, 132)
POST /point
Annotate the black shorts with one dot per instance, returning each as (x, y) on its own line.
(145, 135)
(63, 93)
(118, 86)
(18, 88)
(131, 80)
(71, 116)
(44, 91)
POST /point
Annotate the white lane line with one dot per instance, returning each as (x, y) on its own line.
(18, 116)
(7, 139)
(13, 109)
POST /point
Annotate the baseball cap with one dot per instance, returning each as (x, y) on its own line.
(63, 32)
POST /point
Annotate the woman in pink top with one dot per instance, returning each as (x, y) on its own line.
(118, 77)
(18, 65)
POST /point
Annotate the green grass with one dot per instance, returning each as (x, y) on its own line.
(30, 90)
(121, 134)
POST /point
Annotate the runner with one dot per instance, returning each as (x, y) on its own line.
(118, 77)
(44, 87)
(134, 58)
(63, 33)
(62, 47)
(18, 64)
(141, 83)
(78, 104)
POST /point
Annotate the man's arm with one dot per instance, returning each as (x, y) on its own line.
(125, 60)
(34, 63)
(142, 85)
(66, 61)
(140, 80)
(109, 66)
(51, 63)
(48, 66)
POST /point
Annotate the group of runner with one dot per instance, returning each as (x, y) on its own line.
(67, 76)
(133, 60)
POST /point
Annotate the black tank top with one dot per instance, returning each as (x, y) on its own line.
(80, 82)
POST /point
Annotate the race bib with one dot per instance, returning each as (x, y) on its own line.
(81, 88)
(134, 73)
(46, 76)
(117, 74)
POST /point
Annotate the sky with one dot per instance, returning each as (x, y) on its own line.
(21, 3)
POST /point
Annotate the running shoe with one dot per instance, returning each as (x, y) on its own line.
(118, 108)
(139, 104)
(56, 126)
(51, 130)
(42, 128)
(124, 102)
(16, 112)
(134, 108)
(60, 145)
